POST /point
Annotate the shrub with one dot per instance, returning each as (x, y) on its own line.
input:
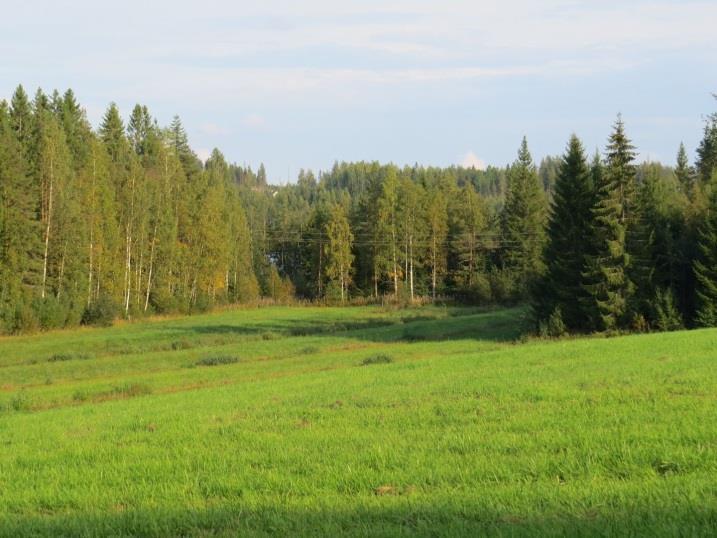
(129, 390)
(667, 316)
(381, 358)
(554, 326)
(51, 313)
(100, 313)
(217, 360)
(24, 320)
(269, 335)
(181, 344)
(60, 357)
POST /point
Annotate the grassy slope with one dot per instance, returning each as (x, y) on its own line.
(465, 432)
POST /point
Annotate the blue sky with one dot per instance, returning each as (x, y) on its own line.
(302, 84)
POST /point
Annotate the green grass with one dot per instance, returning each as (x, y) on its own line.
(460, 430)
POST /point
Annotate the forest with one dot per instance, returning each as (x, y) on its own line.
(125, 221)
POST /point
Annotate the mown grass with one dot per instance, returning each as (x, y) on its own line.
(460, 429)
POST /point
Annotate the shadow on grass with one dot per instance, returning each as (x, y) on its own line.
(502, 325)
(414, 519)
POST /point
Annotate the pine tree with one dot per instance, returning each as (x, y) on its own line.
(568, 242)
(705, 265)
(523, 220)
(606, 275)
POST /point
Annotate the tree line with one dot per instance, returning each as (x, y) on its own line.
(125, 220)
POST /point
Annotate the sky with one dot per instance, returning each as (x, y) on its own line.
(303, 84)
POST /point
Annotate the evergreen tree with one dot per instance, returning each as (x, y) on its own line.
(568, 243)
(19, 230)
(683, 171)
(707, 150)
(705, 265)
(607, 272)
(522, 220)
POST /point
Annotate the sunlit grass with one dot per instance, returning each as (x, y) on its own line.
(357, 421)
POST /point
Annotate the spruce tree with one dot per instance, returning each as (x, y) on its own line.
(707, 150)
(19, 229)
(607, 272)
(568, 242)
(523, 220)
(683, 171)
(705, 265)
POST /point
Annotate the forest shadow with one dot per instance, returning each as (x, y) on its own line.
(395, 519)
(502, 325)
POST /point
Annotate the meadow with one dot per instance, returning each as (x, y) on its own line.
(360, 421)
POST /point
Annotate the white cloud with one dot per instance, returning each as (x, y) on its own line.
(471, 160)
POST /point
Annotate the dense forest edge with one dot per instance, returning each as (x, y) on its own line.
(126, 221)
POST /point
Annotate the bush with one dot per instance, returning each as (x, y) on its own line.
(130, 390)
(51, 313)
(554, 326)
(100, 313)
(667, 316)
(178, 345)
(377, 359)
(24, 320)
(60, 357)
(217, 360)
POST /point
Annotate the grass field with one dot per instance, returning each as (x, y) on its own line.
(356, 421)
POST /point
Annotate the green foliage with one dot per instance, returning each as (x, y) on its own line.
(705, 265)
(523, 221)
(101, 313)
(607, 279)
(570, 227)
(380, 358)
(217, 360)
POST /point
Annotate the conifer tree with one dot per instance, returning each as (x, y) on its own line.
(607, 278)
(568, 242)
(683, 171)
(19, 230)
(705, 265)
(523, 220)
(707, 150)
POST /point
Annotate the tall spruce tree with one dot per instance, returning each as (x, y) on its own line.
(607, 273)
(523, 220)
(705, 265)
(568, 247)
(683, 172)
(707, 150)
